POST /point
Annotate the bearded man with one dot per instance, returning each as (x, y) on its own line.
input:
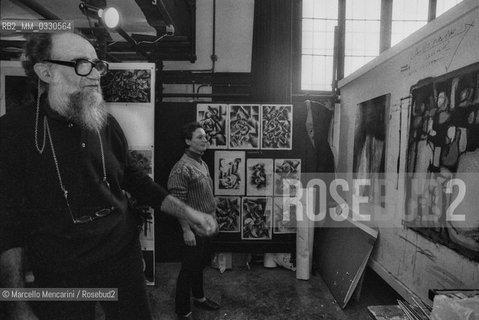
(64, 167)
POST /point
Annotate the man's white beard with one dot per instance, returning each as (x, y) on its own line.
(84, 107)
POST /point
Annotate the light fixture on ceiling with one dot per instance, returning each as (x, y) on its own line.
(110, 16)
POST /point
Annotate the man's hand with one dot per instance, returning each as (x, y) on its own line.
(189, 238)
(204, 224)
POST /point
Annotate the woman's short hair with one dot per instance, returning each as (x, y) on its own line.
(188, 129)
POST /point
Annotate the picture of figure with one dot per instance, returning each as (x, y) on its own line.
(277, 127)
(256, 218)
(259, 177)
(370, 146)
(127, 86)
(244, 126)
(287, 171)
(212, 118)
(228, 214)
(284, 216)
(229, 173)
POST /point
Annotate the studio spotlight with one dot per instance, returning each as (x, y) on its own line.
(110, 16)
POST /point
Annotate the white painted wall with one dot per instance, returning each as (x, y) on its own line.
(234, 36)
(409, 262)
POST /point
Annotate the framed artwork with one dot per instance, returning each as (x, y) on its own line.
(259, 177)
(370, 147)
(128, 83)
(147, 228)
(244, 126)
(284, 216)
(13, 83)
(256, 218)
(287, 172)
(229, 173)
(228, 213)
(443, 147)
(213, 119)
(276, 127)
(143, 158)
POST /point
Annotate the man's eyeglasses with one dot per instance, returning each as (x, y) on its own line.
(98, 214)
(83, 67)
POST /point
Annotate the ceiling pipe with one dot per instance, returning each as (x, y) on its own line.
(132, 41)
(38, 8)
(164, 12)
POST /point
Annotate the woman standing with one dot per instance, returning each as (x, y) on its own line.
(191, 182)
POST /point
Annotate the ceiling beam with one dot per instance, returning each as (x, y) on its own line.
(38, 8)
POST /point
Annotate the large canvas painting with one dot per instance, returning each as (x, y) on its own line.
(276, 127)
(370, 147)
(244, 126)
(259, 177)
(127, 85)
(213, 119)
(443, 161)
(287, 172)
(229, 173)
(228, 213)
(256, 218)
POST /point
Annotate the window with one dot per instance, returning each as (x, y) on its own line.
(444, 5)
(362, 33)
(408, 17)
(319, 19)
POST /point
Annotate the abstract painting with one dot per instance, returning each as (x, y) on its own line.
(276, 127)
(284, 215)
(229, 173)
(443, 149)
(243, 126)
(256, 218)
(370, 147)
(228, 213)
(259, 177)
(213, 119)
(287, 171)
(127, 86)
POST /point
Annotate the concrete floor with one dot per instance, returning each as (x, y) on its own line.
(267, 294)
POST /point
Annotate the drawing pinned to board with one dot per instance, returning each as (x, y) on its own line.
(284, 215)
(370, 147)
(147, 228)
(127, 86)
(213, 119)
(276, 127)
(287, 172)
(256, 218)
(443, 147)
(229, 173)
(259, 177)
(143, 158)
(243, 126)
(228, 214)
